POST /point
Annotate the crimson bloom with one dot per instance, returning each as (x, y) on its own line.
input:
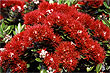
(61, 28)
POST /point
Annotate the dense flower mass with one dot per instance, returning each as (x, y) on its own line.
(10, 57)
(98, 28)
(5, 3)
(65, 56)
(13, 4)
(92, 3)
(65, 30)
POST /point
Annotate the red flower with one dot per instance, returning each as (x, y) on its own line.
(11, 56)
(1, 17)
(19, 67)
(52, 12)
(47, 23)
(34, 17)
(64, 55)
(94, 3)
(43, 6)
(5, 3)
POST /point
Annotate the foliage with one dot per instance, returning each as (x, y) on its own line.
(68, 2)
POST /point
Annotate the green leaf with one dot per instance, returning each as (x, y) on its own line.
(6, 22)
(105, 4)
(105, 41)
(33, 50)
(108, 11)
(11, 30)
(100, 43)
(1, 30)
(8, 28)
(108, 46)
(106, 21)
(14, 32)
(98, 67)
(59, 1)
(3, 25)
(69, 38)
(28, 65)
(39, 67)
(108, 51)
(9, 20)
(62, 37)
(1, 36)
(89, 68)
(105, 11)
(22, 27)
(82, 56)
(64, 69)
(99, 10)
(19, 27)
(38, 60)
(107, 55)
(103, 22)
(43, 71)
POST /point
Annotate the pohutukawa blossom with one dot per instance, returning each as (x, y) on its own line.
(47, 25)
(92, 3)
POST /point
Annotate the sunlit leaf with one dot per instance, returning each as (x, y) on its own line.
(98, 67)
(38, 60)
(89, 68)
(43, 71)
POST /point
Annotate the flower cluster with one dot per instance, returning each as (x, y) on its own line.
(54, 11)
(76, 25)
(65, 56)
(63, 28)
(17, 6)
(98, 28)
(5, 3)
(10, 57)
(92, 3)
